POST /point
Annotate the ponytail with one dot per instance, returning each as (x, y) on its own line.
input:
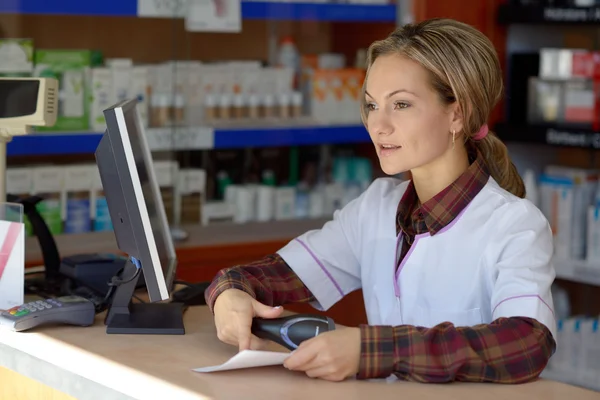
(495, 155)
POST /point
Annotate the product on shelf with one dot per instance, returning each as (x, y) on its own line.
(191, 192)
(99, 213)
(49, 183)
(566, 195)
(167, 178)
(577, 357)
(72, 69)
(16, 57)
(335, 95)
(78, 188)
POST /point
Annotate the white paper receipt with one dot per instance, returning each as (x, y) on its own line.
(248, 359)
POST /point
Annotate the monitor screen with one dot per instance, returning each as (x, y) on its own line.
(18, 98)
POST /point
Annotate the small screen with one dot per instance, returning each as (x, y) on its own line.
(18, 98)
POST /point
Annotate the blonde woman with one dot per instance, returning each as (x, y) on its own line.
(455, 265)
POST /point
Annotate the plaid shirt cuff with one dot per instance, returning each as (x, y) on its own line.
(226, 279)
(377, 351)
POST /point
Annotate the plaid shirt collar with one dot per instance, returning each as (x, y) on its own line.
(412, 218)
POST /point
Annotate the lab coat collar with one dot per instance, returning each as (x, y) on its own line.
(414, 218)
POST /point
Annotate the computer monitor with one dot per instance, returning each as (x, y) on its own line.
(140, 227)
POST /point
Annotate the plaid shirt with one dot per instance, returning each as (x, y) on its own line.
(509, 350)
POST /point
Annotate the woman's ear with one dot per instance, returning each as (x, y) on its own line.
(456, 118)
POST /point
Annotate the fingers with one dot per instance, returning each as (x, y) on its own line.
(325, 373)
(302, 359)
(264, 311)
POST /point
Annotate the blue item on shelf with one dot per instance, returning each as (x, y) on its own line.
(257, 10)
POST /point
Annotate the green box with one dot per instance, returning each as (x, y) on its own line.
(71, 68)
(16, 57)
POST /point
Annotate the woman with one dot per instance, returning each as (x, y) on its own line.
(455, 266)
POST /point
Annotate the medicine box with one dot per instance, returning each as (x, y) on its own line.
(71, 68)
(48, 182)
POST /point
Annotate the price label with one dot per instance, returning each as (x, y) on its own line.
(214, 16)
(195, 138)
(162, 8)
(160, 139)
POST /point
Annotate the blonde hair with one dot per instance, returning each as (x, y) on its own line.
(464, 67)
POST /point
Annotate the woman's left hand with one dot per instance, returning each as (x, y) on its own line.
(333, 356)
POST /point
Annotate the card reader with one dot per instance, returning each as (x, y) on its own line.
(71, 310)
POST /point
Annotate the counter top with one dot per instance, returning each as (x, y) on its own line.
(88, 364)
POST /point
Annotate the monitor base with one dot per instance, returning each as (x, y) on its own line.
(149, 319)
(126, 317)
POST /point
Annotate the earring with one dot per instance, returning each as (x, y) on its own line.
(453, 138)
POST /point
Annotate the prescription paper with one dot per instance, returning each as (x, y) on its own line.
(248, 359)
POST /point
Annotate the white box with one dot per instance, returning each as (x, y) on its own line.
(19, 181)
(557, 205)
(140, 91)
(101, 87)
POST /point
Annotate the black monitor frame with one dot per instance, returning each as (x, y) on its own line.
(140, 227)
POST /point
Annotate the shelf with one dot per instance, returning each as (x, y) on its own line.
(70, 7)
(566, 136)
(578, 271)
(250, 10)
(319, 12)
(200, 138)
(515, 14)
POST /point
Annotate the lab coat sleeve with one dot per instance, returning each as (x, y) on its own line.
(524, 266)
(326, 260)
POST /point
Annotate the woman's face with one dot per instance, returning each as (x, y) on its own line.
(408, 123)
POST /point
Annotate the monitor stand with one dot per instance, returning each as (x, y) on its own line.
(126, 317)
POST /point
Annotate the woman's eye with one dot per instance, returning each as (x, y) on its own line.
(370, 107)
(400, 104)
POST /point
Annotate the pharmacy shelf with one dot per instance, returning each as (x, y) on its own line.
(199, 138)
(566, 377)
(565, 136)
(517, 14)
(262, 10)
(578, 271)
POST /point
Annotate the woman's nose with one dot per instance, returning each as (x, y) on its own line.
(381, 126)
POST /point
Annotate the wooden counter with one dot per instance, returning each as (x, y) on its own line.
(88, 364)
(212, 248)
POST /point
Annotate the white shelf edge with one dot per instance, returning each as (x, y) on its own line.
(579, 271)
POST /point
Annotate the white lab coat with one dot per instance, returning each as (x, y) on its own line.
(494, 260)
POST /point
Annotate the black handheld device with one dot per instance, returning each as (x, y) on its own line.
(292, 330)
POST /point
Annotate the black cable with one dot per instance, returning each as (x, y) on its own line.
(112, 284)
(116, 281)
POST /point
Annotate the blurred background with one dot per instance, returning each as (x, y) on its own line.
(252, 112)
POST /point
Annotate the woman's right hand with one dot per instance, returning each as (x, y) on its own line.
(234, 310)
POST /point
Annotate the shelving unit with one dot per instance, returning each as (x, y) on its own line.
(515, 14)
(261, 10)
(556, 135)
(195, 138)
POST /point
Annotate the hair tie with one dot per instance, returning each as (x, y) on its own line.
(482, 133)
